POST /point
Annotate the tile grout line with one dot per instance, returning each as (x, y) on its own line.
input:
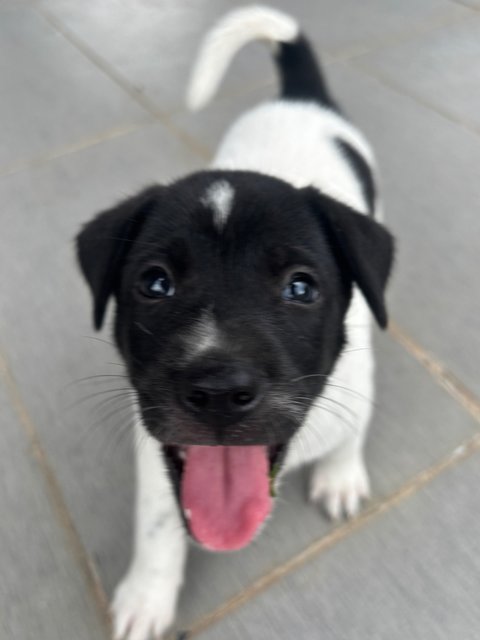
(80, 145)
(55, 495)
(313, 550)
(191, 141)
(117, 132)
(137, 95)
(438, 371)
(164, 117)
(356, 63)
(466, 5)
(406, 36)
(223, 98)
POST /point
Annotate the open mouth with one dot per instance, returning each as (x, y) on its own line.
(225, 492)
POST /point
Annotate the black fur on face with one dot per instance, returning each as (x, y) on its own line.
(272, 284)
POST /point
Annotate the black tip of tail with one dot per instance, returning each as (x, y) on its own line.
(300, 74)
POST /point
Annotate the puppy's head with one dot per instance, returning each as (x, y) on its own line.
(231, 290)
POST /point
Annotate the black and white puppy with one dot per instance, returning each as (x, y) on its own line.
(243, 301)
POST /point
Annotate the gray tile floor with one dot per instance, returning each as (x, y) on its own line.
(91, 109)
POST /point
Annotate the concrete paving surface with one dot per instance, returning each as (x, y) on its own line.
(91, 109)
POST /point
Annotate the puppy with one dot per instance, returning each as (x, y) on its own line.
(243, 302)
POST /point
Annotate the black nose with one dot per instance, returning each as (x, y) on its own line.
(220, 391)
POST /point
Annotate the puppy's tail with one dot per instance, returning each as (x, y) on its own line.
(300, 73)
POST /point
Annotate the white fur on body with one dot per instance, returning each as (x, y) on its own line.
(292, 141)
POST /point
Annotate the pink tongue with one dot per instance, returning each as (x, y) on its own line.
(225, 494)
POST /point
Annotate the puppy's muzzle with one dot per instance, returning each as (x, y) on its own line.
(220, 391)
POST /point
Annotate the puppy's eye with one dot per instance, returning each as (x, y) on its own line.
(156, 283)
(301, 288)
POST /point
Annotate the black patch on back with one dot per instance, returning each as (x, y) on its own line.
(362, 171)
(301, 76)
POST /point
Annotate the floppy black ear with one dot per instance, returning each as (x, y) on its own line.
(364, 247)
(103, 244)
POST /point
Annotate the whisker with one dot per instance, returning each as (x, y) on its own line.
(303, 439)
(99, 340)
(99, 378)
(353, 392)
(143, 328)
(126, 391)
(310, 375)
(336, 402)
(117, 411)
(328, 410)
(121, 396)
(119, 438)
(108, 431)
(152, 407)
(333, 384)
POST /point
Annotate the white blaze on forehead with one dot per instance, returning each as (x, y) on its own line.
(204, 335)
(219, 197)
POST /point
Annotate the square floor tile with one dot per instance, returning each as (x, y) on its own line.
(410, 573)
(43, 593)
(52, 96)
(440, 68)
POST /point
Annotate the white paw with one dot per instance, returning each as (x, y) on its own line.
(143, 606)
(340, 485)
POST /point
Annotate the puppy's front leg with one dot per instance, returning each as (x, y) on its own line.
(145, 601)
(340, 480)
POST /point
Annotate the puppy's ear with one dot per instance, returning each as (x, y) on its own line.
(364, 247)
(103, 245)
